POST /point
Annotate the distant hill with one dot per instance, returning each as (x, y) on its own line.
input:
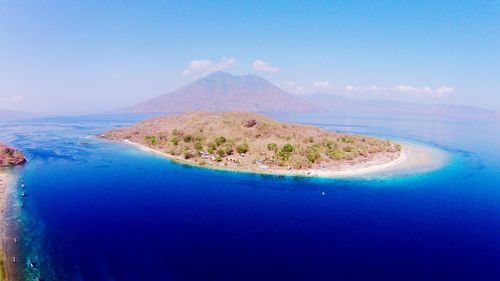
(221, 91)
(399, 108)
(8, 115)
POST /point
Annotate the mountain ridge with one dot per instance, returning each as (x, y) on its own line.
(385, 107)
(221, 91)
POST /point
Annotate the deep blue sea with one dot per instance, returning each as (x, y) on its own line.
(102, 210)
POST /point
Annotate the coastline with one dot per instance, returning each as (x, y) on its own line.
(412, 157)
(5, 266)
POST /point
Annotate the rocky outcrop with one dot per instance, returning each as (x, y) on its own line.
(9, 156)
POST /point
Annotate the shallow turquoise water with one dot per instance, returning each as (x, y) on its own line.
(99, 210)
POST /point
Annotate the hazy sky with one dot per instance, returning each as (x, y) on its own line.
(88, 56)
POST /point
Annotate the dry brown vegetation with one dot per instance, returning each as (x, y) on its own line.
(249, 140)
(10, 156)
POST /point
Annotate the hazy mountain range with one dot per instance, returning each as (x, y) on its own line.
(373, 107)
(7, 115)
(221, 91)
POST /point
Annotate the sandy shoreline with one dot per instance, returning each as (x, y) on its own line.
(5, 265)
(414, 158)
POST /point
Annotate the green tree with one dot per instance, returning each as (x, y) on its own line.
(242, 148)
(288, 148)
(174, 140)
(312, 153)
(151, 140)
(220, 140)
(284, 153)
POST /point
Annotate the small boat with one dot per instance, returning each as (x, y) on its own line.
(323, 193)
(31, 264)
(15, 239)
(22, 185)
(23, 194)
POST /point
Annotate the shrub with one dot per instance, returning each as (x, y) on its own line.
(272, 147)
(221, 152)
(218, 158)
(347, 139)
(242, 148)
(220, 140)
(335, 154)
(312, 153)
(348, 148)
(197, 153)
(251, 123)
(174, 140)
(187, 138)
(198, 145)
(288, 148)
(398, 147)
(228, 148)
(298, 162)
(176, 132)
(328, 143)
(151, 140)
(285, 152)
(187, 154)
(211, 146)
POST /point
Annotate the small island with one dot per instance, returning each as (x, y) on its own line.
(244, 141)
(9, 156)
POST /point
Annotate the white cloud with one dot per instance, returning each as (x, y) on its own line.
(350, 88)
(263, 66)
(202, 67)
(444, 90)
(294, 87)
(323, 85)
(10, 99)
(424, 91)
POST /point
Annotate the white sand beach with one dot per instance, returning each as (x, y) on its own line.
(414, 158)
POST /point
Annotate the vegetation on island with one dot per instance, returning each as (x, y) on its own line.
(249, 141)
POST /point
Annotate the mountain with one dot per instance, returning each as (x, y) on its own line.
(372, 107)
(8, 115)
(221, 91)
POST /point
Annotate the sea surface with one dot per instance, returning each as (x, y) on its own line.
(103, 210)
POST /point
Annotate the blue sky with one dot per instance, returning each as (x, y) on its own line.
(89, 56)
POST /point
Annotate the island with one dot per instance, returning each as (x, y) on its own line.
(10, 156)
(250, 142)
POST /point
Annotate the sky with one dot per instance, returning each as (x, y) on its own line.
(94, 56)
